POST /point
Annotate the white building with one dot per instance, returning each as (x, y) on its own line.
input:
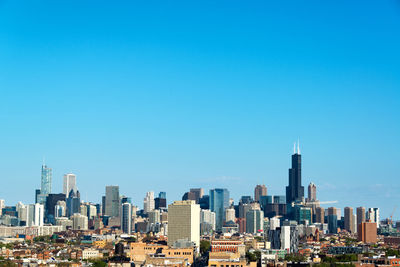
(274, 223)
(69, 183)
(230, 215)
(207, 221)
(79, 222)
(35, 215)
(285, 237)
(148, 202)
(184, 222)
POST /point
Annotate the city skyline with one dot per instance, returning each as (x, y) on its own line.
(147, 102)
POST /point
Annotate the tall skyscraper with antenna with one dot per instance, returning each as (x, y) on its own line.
(45, 187)
(295, 191)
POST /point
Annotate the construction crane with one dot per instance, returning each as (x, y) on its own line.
(391, 216)
(322, 202)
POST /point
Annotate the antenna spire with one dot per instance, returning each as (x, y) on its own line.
(294, 148)
(298, 146)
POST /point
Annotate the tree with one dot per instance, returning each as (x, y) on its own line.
(204, 246)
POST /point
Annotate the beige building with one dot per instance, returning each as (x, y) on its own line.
(184, 222)
(79, 222)
(139, 252)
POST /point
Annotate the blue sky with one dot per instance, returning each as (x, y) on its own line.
(168, 95)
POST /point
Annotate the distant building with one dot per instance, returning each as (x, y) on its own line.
(207, 222)
(260, 190)
(360, 215)
(126, 218)
(45, 185)
(230, 215)
(198, 193)
(254, 221)
(160, 203)
(219, 201)
(295, 191)
(303, 215)
(312, 192)
(189, 196)
(148, 202)
(320, 215)
(51, 202)
(79, 222)
(69, 183)
(367, 232)
(184, 222)
(73, 203)
(112, 201)
(332, 223)
(348, 219)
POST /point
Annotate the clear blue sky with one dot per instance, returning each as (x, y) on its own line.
(168, 95)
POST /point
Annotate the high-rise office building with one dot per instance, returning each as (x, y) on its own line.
(295, 191)
(254, 221)
(160, 203)
(51, 202)
(184, 222)
(162, 195)
(35, 215)
(320, 215)
(126, 218)
(198, 193)
(69, 183)
(360, 215)
(348, 219)
(260, 190)
(207, 221)
(148, 202)
(45, 187)
(230, 215)
(73, 203)
(312, 192)
(332, 223)
(219, 201)
(154, 216)
(112, 201)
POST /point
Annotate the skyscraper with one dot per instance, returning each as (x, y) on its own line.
(312, 192)
(360, 215)
(45, 187)
(295, 192)
(260, 190)
(184, 222)
(126, 218)
(320, 215)
(148, 202)
(254, 221)
(112, 201)
(198, 192)
(69, 183)
(348, 219)
(219, 201)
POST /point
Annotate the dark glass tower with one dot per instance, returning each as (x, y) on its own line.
(295, 192)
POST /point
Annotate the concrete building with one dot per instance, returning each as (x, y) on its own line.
(320, 215)
(148, 202)
(69, 183)
(274, 223)
(112, 201)
(79, 222)
(312, 192)
(285, 237)
(260, 190)
(2, 205)
(184, 222)
(207, 222)
(348, 219)
(230, 215)
(360, 215)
